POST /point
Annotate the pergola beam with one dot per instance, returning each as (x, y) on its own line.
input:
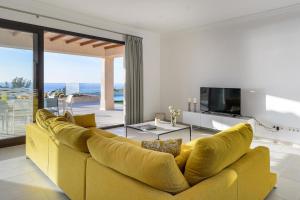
(57, 37)
(74, 39)
(88, 42)
(101, 44)
(113, 46)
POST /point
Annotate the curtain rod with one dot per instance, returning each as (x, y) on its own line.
(63, 20)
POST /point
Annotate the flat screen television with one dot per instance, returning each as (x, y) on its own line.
(220, 100)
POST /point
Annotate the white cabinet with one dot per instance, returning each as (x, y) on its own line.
(192, 118)
(213, 121)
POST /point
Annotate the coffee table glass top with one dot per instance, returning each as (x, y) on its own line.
(162, 127)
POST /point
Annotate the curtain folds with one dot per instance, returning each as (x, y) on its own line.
(134, 80)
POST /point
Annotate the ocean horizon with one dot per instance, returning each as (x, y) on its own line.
(82, 88)
(87, 88)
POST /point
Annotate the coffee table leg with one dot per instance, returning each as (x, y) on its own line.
(126, 131)
(157, 137)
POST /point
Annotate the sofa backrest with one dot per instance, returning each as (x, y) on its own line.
(71, 135)
(44, 118)
(212, 154)
(156, 169)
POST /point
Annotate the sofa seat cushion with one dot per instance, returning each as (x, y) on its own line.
(86, 121)
(102, 132)
(71, 135)
(212, 154)
(157, 169)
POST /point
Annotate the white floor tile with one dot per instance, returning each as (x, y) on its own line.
(20, 179)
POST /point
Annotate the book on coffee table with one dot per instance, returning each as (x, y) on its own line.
(147, 127)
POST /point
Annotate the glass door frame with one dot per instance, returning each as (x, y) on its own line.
(38, 64)
(38, 73)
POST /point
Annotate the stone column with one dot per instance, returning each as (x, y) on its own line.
(107, 84)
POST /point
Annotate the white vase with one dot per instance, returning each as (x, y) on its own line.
(173, 120)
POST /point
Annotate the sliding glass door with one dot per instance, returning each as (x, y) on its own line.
(17, 92)
(94, 64)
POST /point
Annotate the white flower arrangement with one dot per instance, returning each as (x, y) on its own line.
(174, 113)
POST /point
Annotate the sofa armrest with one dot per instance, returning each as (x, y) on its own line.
(255, 180)
(220, 186)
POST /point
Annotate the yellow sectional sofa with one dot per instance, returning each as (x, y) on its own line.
(93, 164)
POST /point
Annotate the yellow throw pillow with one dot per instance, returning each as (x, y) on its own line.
(157, 169)
(41, 117)
(212, 154)
(71, 135)
(172, 146)
(86, 121)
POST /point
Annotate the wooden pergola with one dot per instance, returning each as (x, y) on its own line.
(68, 39)
(82, 41)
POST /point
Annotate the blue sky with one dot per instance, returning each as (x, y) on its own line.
(15, 62)
(59, 68)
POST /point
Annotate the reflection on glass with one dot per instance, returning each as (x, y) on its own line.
(16, 91)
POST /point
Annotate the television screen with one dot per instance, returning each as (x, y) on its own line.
(220, 100)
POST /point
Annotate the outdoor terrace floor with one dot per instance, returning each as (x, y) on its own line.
(103, 118)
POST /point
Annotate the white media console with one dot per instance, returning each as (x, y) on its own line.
(214, 121)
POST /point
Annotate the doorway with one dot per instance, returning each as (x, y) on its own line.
(82, 76)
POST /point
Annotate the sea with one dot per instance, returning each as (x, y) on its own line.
(84, 88)
(88, 88)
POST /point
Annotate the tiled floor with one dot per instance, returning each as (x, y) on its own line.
(103, 118)
(20, 179)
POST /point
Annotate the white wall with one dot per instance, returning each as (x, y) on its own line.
(151, 40)
(260, 54)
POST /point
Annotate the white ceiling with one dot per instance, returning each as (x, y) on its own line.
(169, 15)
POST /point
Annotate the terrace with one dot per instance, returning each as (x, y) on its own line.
(17, 104)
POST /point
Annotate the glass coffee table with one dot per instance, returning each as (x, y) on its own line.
(161, 128)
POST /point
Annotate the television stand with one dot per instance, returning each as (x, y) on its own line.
(214, 121)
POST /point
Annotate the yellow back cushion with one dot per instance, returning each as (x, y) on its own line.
(182, 158)
(102, 132)
(86, 121)
(71, 135)
(212, 154)
(130, 141)
(42, 116)
(156, 169)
